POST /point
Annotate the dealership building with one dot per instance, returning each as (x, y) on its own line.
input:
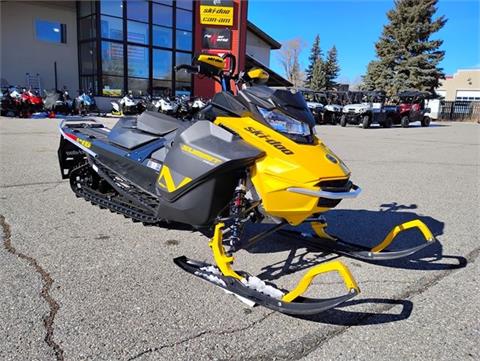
(113, 47)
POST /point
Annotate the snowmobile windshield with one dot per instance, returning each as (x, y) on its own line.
(284, 111)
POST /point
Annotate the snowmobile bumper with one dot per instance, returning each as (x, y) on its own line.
(253, 291)
(353, 193)
(324, 241)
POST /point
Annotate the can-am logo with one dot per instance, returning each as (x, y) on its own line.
(269, 140)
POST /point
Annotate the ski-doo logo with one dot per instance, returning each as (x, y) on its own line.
(269, 140)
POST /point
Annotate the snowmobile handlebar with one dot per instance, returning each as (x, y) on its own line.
(188, 68)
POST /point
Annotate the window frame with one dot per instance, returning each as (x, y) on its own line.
(99, 39)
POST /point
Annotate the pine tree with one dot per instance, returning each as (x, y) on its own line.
(315, 56)
(407, 57)
(318, 80)
(331, 68)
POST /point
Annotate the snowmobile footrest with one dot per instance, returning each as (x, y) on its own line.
(258, 292)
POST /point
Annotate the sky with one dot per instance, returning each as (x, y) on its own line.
(354, 26)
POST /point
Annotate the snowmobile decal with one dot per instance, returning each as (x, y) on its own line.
(166, 181)
(269, 140)
(199, 154)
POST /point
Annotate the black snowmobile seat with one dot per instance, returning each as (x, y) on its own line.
(157, 123)
(132, 133)
(125, 134)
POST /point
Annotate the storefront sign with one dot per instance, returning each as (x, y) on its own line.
(216, 38)
(216, 12)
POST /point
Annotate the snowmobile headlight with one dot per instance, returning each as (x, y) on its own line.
(284, 123)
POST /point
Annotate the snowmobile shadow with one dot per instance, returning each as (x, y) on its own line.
(337, 316)
(352, 226)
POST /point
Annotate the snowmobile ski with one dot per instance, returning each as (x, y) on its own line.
(252, 290)
(321, 240)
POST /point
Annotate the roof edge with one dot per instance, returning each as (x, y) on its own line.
(275, 45)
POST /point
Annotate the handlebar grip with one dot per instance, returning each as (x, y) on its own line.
(188, 68)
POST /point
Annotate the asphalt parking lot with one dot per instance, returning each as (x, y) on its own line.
(80, 283)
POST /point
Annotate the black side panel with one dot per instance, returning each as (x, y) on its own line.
(125, 135)
(69, 156)
(200, 173)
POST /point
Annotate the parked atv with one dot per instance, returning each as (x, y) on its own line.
(412, 108)
(368, 112)
(313, 104)
(332, 108)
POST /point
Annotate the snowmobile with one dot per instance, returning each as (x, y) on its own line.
(127, 105)
(244, 158)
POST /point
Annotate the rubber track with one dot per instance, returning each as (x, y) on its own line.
(135, 214)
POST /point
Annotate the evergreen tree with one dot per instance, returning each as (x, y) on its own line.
(318, 80)
(315, 56)
(407, 57)
(331, 68)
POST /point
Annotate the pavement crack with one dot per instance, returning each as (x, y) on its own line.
(201, 334)
(56, 183)
(47, 280)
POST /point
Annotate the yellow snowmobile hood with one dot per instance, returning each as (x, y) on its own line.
(287, 165)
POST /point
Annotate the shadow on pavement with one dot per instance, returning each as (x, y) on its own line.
(338, 316)
(362, 227)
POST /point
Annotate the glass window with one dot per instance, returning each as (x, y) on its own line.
(89, 83)
(184, 19)
(185, 4)
(112, 58)
(51, 31)
(162, 15)
(112, 86)
(138, 63)
(88, 27)
(166, 2)
(184, 40)
(112, 28)
(137, 10)
(162, 36)
(182, 88)
(162, 88)
(139, 87)
(162, 64)
(88, 58)
(85, 8)
(137, 32)
(111, 7)
(183, 58)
